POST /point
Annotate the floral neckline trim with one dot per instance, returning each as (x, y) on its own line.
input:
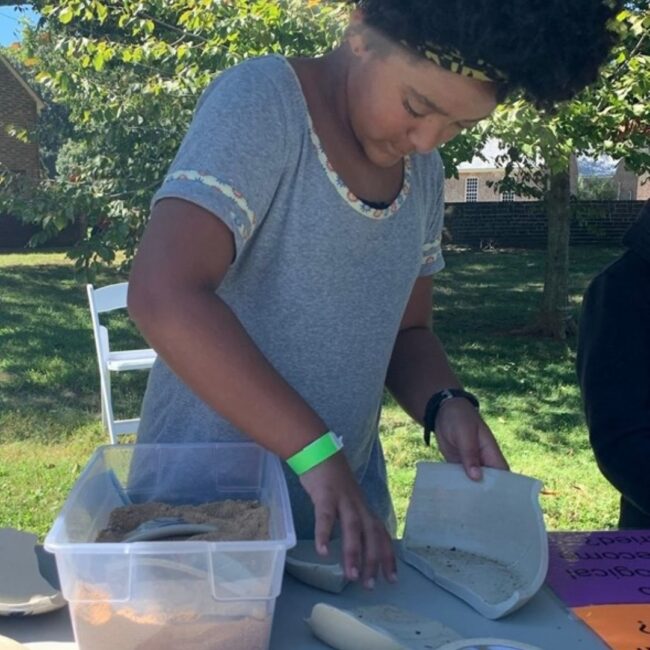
(339, 184)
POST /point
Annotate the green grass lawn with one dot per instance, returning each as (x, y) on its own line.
(49, 386)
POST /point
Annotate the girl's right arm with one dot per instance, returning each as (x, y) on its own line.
(184, 254)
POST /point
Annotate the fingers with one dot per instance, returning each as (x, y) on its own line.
(351, 530)
(491, 455)
(372, 552)
(464, 437)
(366, 545)
(325, 516)
(386, 558)
(470, 455)
(456, 432)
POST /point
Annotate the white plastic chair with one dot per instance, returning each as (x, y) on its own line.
(103, 300)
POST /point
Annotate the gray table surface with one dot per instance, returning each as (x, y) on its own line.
(544, 621)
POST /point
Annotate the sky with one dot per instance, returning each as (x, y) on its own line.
(10, 22)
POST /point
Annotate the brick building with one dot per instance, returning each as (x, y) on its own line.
(19, 108)
(524, 224)
(631, 187)
(471, 186)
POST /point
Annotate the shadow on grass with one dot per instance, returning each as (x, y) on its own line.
(48, 367)
(498, 292)
(478, 301)
(530, 381)
(49, 382)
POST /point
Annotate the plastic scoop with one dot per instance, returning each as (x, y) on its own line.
(166, 528)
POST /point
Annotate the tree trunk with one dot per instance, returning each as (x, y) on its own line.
(554, 319)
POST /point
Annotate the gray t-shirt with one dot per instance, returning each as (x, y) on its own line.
(320, 280)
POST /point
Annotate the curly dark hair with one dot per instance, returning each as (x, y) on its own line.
(548, 49)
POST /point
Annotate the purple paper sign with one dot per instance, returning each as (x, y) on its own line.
(600, 568)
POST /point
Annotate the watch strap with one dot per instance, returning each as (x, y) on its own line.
(434, 404)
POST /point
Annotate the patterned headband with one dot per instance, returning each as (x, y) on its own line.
(452, 60)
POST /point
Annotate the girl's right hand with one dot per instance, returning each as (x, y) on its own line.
(367, 545)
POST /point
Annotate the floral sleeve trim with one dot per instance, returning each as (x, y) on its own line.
(343, 190)
(245, 221)
(431, 252)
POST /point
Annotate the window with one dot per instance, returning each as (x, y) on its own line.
(508, 196)
(471, 189)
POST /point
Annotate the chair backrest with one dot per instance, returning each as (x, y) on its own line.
(102, 300)
(108, 298)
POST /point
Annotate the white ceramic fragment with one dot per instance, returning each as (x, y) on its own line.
(487, 644)
(28, 576)
(483, 541)
(322, 572)
(9, 644)
(380, 627)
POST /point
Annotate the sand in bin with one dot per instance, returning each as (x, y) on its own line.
(182, 616)
(235, 520)
(108, 626)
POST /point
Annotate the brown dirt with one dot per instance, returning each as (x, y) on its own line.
(100, 627)
(236, 520)
(159, 624)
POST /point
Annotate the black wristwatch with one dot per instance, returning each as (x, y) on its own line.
(434, 404)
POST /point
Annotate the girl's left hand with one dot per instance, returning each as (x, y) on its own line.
(463, 437)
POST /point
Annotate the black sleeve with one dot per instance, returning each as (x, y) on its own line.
(613, 361)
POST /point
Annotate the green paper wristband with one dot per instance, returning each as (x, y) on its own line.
(315, 453)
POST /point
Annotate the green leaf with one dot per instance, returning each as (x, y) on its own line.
(60, 221)
(66, 15)
(98, 61)
(102, 12)
(43, 77)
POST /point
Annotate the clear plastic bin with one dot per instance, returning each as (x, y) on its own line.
(164, 595)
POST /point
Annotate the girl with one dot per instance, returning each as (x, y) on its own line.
(285, 275)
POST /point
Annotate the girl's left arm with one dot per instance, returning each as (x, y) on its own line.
(418, 369)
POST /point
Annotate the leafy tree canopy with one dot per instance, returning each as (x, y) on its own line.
(127, 76)
(611, 117)
(122, 79)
